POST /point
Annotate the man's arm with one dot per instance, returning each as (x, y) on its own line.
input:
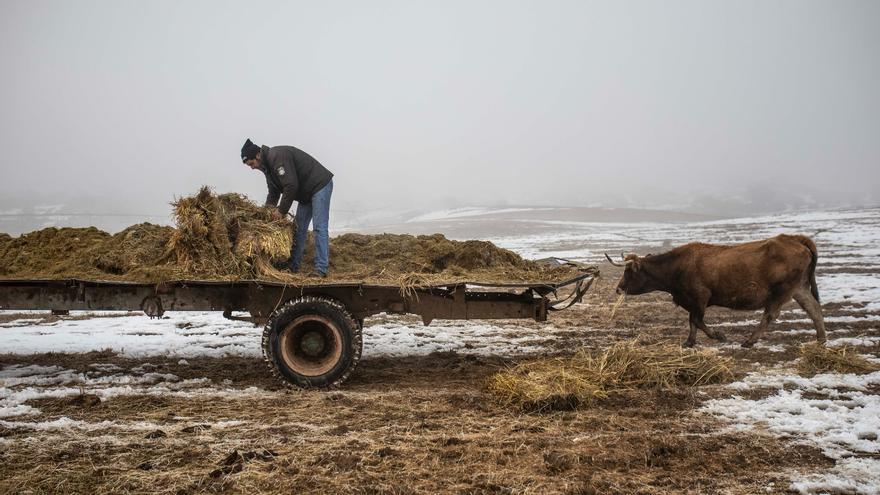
(289, 183)
(274, 193)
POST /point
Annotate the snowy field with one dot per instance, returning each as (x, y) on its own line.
(845, 420)
(837, 413)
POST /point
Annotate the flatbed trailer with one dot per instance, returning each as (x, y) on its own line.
(312, 333)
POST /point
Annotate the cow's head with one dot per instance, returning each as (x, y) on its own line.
(634, 280)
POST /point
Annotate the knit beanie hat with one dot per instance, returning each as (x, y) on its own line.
(249, 150)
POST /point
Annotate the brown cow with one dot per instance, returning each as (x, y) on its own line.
(755, 275)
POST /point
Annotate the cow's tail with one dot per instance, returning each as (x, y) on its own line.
(806, 241)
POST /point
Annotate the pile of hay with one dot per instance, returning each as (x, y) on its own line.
(217, 237)
(417, 254)
(816, 358)
(135, 249)
(427, 259)
(86, 253)
(227, 237)
(51, 252)
(566, 383)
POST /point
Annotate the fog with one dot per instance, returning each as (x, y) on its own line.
(116, 107)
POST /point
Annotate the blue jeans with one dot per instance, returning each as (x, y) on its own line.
(317, 212)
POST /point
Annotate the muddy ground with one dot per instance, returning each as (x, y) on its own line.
(417, 425)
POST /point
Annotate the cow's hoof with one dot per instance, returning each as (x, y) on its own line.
(719, 336)
(748, 344)
(689, 343)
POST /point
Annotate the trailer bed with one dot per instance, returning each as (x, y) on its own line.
(312, 334)
(460, 300)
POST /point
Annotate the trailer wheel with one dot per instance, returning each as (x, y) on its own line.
(312, 342)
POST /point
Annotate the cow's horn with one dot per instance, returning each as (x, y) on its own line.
(612, 261)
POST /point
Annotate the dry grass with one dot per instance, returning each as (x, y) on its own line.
(616, 305)
(51, 252)
(408, 425)
(137, 249)
(816, 358)
(227, 237)
(566, 383)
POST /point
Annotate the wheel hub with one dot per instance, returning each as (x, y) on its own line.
(311, 345)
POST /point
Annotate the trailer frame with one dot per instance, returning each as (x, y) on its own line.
(319, 320)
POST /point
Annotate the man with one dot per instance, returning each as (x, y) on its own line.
(293, 175)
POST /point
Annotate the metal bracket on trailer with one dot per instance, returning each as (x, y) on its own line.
(576, 296)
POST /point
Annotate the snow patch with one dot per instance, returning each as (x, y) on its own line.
(179, 334)
(395, 339)
(830, 411)
(850, 475)
(21, 384)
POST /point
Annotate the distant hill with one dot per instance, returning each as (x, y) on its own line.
(477, 222)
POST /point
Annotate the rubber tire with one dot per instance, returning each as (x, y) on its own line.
(352, 342)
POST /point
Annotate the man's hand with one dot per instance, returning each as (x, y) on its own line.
(277, 215)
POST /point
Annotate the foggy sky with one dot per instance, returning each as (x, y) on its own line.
(434, 104)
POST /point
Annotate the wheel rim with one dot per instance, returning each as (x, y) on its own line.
(311, 345)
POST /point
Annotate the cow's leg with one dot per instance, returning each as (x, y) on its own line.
(692, 335)
(771, 312)
(696, 321)
(809, 304)
(712, 334)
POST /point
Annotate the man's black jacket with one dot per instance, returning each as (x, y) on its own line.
(291, 174)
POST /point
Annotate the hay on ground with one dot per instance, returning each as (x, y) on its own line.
(817, 358)
(564, 383)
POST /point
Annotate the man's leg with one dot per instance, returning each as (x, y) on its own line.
(321, 222)
(303, 218)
